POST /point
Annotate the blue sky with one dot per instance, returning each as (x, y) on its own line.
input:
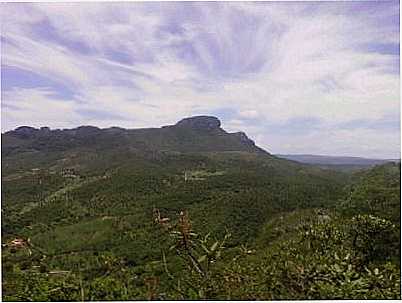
(297, 77)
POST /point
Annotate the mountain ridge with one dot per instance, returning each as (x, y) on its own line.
(197, 133)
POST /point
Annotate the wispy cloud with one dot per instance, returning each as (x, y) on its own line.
(297, 77)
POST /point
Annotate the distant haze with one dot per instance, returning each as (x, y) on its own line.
(333, 160)
(297, 77)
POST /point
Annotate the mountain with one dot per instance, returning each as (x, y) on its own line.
(89, 147)
(187, 211)
(228, 176)
(193, 164)
(200, 133)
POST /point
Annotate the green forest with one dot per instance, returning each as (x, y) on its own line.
(190, 213)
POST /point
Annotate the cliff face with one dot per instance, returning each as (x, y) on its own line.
(206, 123)
(242, 137)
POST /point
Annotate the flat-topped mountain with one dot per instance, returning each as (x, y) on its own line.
(194, 134)
(203, 123)
(90, 147)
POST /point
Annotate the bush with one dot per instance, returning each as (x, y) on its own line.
(373, 238)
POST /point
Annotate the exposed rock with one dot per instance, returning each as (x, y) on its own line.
(243, 138)
(200, 123)
(45, 129)
(114, 130)
(87, 129)
(25, 130)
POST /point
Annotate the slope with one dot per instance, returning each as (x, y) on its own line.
(85, 199)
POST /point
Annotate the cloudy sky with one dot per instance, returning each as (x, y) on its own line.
(297, 77)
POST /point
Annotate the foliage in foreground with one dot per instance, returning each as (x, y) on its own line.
(327, 259)
(95, 245)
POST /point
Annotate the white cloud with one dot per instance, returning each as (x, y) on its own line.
(328, 141)
(268, 63)
(42, 107)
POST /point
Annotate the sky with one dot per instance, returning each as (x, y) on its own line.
(297, 77)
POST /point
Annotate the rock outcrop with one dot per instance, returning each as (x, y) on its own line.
(207, 123)
(243, 138)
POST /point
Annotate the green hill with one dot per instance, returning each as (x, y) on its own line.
(116, 214)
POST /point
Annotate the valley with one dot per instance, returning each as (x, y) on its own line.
(235, 222)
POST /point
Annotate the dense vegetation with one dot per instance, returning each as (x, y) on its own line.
(100, 221)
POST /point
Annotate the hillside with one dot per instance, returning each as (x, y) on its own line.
(116, 214)
(88, 146)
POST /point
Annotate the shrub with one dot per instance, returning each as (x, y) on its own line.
(373, 237)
